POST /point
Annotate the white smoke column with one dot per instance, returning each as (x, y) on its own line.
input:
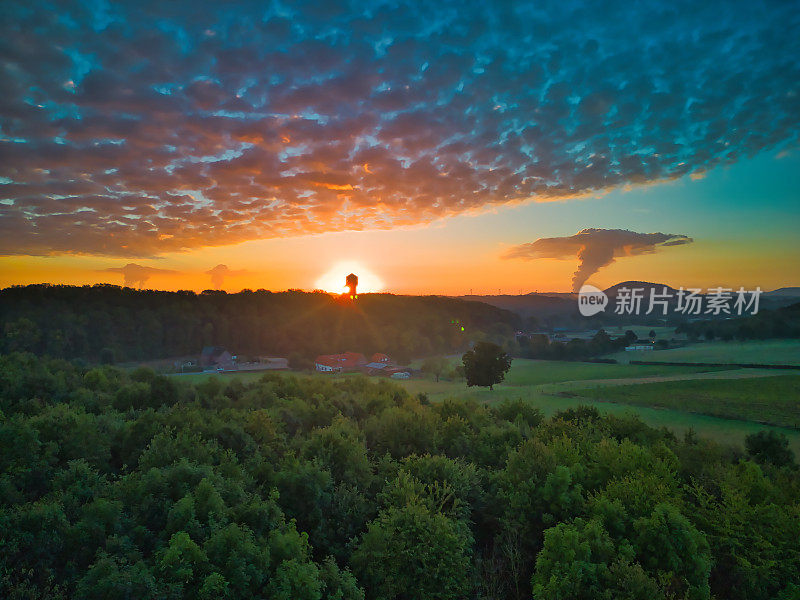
(596, 248)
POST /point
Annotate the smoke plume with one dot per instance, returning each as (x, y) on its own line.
(138, 274)
(596, 248)
(220, 272)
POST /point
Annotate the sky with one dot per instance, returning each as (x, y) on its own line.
(446, 147)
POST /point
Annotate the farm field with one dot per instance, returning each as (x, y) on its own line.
(622, 389)
(524, 372)
(615, 389)
(770, 400)
(526, 377)
(785, 352)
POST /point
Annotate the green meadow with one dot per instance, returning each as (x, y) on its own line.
(765, 352)
(768, 400)
(723, 404)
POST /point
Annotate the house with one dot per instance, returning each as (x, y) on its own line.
(402, 372)
(375, 368)
(639, 345)
(378, 365)
(216, 358)
(337, 363)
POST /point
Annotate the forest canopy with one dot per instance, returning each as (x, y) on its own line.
(118, 484)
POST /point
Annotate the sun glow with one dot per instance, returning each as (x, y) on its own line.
(334, 280)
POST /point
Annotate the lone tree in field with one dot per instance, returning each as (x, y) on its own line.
(435, 365)
(485, 365)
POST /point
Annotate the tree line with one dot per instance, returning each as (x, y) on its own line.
(540, 346)
(131, 484)
(110, 324)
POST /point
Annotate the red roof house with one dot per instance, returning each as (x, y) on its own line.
(337, 363)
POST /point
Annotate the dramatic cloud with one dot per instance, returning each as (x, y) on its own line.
(134, 274)
(137, 128)
(596, 248)
(220, 272)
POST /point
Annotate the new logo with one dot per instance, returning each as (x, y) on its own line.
(591, 300)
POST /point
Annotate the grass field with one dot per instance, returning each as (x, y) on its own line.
(623, 389)
(537, 372)
(663, 396)
(527, 376)
(770, 400)
(768, 352)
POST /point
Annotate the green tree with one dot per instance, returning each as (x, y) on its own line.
(769, 447)
(411, 552)
(22, 335)
(435, 365)
(580, 560)
(670, 547)
(113, 578)
(486, 365)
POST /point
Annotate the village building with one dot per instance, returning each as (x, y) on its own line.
(216, 358)
(338, 363)
(640, 345)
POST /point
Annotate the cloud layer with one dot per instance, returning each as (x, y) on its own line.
(596, 248)
(137, 128)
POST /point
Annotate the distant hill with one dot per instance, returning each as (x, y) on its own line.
(645, 285)
(528, 305)
(558, 307)
(769, 300)
(784, 292)
(123, 324)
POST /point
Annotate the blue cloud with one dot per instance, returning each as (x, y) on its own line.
(135, 128)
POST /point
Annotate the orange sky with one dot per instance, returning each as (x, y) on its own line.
(416, 261)
(742, 219)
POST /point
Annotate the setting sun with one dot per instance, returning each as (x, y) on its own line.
(334, 280)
